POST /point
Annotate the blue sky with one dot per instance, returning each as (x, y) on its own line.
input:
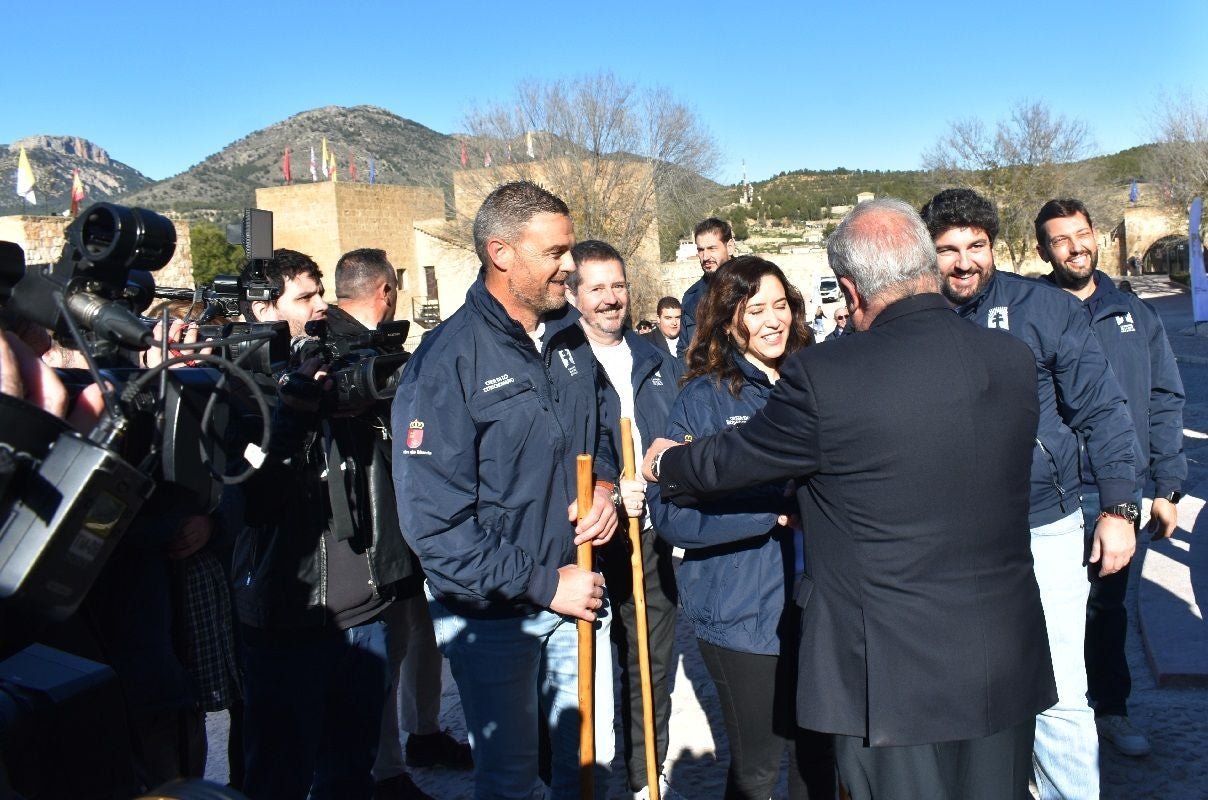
(783, 85)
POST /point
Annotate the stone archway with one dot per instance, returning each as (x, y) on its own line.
(1167, 255)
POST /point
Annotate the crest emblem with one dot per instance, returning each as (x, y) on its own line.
(415, 434)
(998, 318)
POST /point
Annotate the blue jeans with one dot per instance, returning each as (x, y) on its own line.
(1066, 750)
(313, 709)
(508, 671)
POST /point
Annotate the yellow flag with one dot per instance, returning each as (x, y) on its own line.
(25, 178)
(333, 169)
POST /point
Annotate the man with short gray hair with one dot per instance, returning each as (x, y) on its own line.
(923, 646)
(491, 412)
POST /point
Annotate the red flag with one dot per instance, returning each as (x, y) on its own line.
(486, 162)
(463, 153)
(289, 175)
(77, 192)
(352, 166)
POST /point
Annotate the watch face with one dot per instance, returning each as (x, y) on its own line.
(1132, 512)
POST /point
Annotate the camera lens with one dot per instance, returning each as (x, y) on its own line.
(119, 238)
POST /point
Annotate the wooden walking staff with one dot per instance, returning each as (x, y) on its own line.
(587, 638)
(639, 604)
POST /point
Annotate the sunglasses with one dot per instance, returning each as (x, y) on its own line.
(841, 316)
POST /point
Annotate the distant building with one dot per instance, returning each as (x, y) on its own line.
(864, 197)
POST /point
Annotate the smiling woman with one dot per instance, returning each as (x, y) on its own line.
(740, 556)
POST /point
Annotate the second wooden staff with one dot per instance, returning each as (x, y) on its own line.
(639, 604)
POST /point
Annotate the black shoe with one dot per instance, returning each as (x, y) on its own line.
(438, 750)
(400, 787)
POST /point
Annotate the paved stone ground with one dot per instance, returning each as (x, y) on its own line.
(1175, 718)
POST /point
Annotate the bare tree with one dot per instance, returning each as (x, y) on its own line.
(1026, 160)
(1178, 163)
(630, 163)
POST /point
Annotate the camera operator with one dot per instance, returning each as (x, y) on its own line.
(314, 567)
(367, 292)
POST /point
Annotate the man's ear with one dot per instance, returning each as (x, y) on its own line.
(500, 254)
(263, 312)
(1043, 253)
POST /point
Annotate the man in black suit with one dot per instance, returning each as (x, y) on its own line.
(923, 642)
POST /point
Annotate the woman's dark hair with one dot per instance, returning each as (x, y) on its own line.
(714, 351)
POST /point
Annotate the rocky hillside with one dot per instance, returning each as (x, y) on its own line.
(404, 152)
(52, 159)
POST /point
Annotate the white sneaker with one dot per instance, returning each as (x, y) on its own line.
(1123, 735)
(665, 791)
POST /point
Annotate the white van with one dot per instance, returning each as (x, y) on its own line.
(828, 289)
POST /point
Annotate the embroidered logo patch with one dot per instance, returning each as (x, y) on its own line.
(656, 379)
(415, 434)
(1126, 323)
(998, 318)
(737, 419)
(568, 361)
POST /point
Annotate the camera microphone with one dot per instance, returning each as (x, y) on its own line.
(111, 321)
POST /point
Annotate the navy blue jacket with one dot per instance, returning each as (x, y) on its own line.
(486, 434)
(736, 573)
(1076, 389)
(692, 298)
(1134, 340)
(655, 380)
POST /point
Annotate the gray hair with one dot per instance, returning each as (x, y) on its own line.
(507, 210)
(883, 247)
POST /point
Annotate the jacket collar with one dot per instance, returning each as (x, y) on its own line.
(496, 316)
(928, 301)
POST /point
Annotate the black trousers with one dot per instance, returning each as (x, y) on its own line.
(758, 702)
(1108, 682)
(661, 602)
(994, 767)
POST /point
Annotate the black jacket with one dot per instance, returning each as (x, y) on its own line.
(326, 483)
(912, 443)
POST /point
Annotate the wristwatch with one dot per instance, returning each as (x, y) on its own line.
(1173, 497)
(1128, 511)
(657, 464)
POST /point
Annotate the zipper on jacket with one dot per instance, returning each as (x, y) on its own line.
(1053, 468)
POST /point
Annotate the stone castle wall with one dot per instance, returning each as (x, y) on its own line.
(42, 239)
(326, 220)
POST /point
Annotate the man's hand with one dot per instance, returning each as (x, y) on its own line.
(579, 594)
(1114, 544)
(656, 447)
(302, 389)
(178, 331)
(633, 496)
(24, 376)
(194, 534)
(1163, 519)
(599, 524)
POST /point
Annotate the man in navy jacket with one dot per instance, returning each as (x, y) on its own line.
(1078, 398)
(1135, 342)
(490, 414)
(922, 636)
(641, 381)
(714, 247)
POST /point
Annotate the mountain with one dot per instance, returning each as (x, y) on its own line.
(52, 159)
(404, 152)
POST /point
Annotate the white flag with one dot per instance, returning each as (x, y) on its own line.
(25, 178)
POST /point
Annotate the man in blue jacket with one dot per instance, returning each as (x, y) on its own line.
(1132, 336)
(714, 247)
(641, 381)
(491, 412)
(1078, 398)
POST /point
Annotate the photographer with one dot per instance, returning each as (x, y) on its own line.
(315, 564)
